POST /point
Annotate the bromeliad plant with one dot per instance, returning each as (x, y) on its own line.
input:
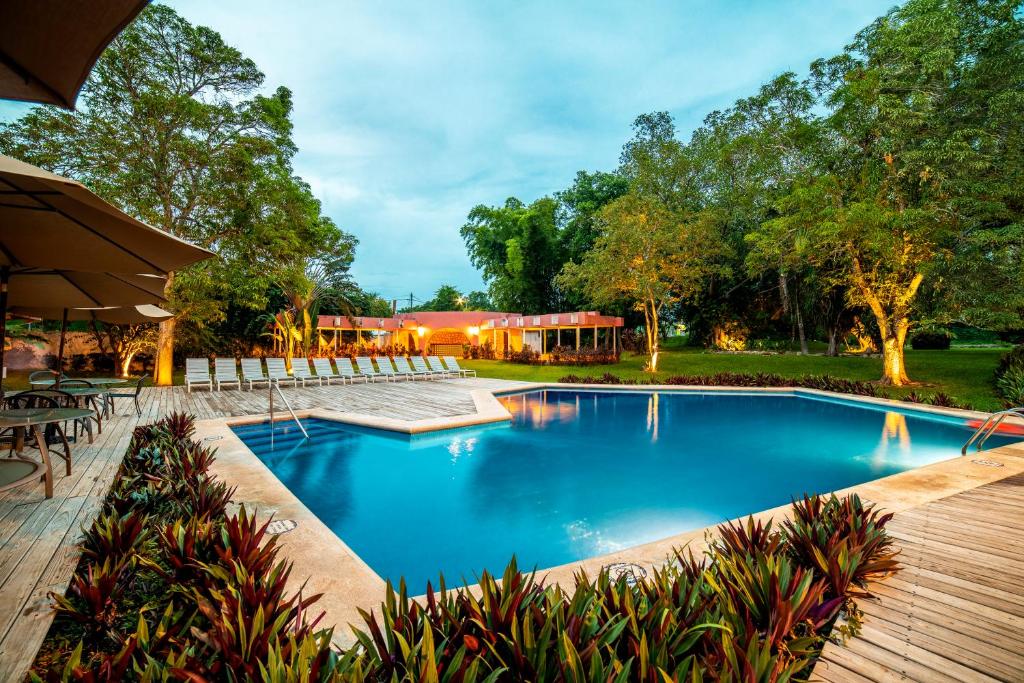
(172, 587)
(844, 542)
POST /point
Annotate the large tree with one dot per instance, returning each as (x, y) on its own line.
(516, 247)
(923, 117)
(649, 255)
(172, 128)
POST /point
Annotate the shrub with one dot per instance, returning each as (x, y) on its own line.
(736, 379)
(1009, 376)
(526, 356)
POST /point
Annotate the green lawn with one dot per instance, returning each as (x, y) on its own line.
(965, 374)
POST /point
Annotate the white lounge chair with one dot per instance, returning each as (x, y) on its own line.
(225, 371)
(402, 363)
(197, 373)
(365, 364)
(301, 372)
(252, 372)
(453, 366)
(386, 368)
(436, 365)
(348, 372)
(420, 366)
(277, 372)
(325, 372)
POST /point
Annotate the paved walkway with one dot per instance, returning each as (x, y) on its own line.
(956, 610)
(39, 537)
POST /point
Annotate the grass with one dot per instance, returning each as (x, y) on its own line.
(965, 374)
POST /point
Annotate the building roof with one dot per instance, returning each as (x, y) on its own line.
(436, 320)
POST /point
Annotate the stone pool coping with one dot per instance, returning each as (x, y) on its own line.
(323, 563)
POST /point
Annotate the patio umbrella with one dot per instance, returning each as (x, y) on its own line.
(48, 221)
(52, 229)
(119, 315)
(48, 292)
(48, 47)
(116, 315)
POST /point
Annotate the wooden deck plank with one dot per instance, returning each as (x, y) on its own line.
(957, 608)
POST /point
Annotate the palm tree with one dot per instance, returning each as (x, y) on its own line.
(306, 285)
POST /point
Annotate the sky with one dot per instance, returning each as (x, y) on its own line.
(409, 113)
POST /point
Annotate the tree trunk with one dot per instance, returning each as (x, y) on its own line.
(894, 337)
(651, 318)
(125, 362)
(800, 324)
(163, 373)
(833, 341)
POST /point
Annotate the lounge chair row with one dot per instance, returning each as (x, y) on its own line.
(225, 371)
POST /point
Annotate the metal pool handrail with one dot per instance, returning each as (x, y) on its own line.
(988, 428)
(273, 385)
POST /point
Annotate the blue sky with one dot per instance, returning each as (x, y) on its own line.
(407, 114)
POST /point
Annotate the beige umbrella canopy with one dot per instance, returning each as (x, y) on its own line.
(117, 315)
(48, 47)
(57, 289)
(47, 221)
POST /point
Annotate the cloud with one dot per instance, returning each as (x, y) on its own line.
(407, 114)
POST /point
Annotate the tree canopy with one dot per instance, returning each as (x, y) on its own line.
(173, 129)
(880, 193)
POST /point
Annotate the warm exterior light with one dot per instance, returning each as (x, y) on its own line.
(474, 331)
(421, 330)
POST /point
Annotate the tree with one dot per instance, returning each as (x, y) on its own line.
(308, 281)
(173, 130)
(924, 151)
(477, 301)
(516, 247)
(648, 254)
(124, 342)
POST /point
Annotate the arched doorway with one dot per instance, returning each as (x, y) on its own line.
(447, 342)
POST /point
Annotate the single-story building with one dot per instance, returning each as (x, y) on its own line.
(448, 332)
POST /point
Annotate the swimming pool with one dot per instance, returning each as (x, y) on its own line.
(580, 473)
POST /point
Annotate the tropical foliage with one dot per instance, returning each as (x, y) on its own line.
(173, 128)
(171, 586)
(877, 194)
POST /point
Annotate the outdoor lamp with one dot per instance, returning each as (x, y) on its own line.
(421, 330)
(473, 331)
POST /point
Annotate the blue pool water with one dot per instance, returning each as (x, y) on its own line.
(578, 474)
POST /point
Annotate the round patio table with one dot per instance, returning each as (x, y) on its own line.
(33, 420)
(95, 381)
(82, 393)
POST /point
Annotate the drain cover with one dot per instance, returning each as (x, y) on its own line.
(987, 463)
(281, 526)
(213, 438)
(631, 572)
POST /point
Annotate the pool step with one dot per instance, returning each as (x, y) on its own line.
(257, 437)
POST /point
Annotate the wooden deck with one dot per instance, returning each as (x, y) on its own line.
(39, 538)
(956, 610)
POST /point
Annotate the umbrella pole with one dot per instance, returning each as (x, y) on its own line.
(60, 346)
(5, 276)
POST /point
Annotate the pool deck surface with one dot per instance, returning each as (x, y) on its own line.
(955, 612)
